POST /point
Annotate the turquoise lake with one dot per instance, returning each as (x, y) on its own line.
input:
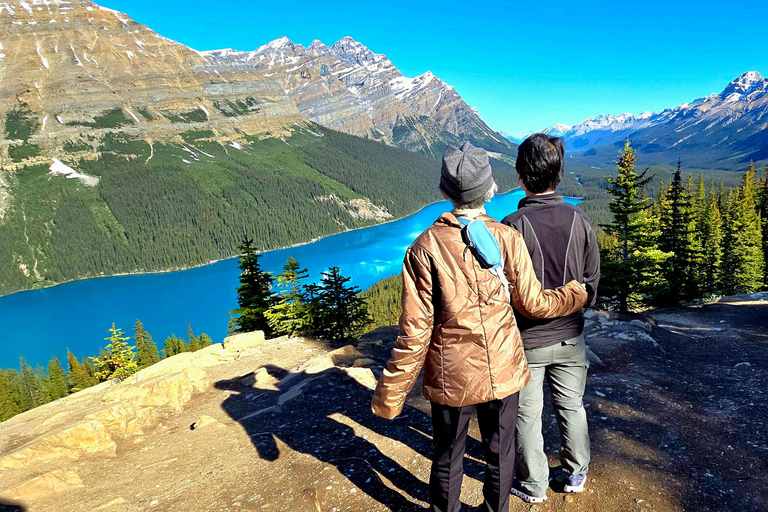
(39, 324)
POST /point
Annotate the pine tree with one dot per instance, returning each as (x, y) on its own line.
(205, 340)
(78, 376)
(146, 348)
(33, 392)
(677, 238)
(254, 294)
(10, 395)
(632, 267)
(90, 369)
(58, 384)
(340, 313)
(742, 243)
(710, 234)
(289, 314)
(118, 361)
(194, 341)
(173, 346)
(763, 210)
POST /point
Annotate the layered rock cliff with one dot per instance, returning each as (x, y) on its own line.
(70, 70)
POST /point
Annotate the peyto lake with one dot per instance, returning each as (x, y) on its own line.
(39, 324)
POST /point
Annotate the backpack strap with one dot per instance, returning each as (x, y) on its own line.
(485, 248)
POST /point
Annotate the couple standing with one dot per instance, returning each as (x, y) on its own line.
(486, 341)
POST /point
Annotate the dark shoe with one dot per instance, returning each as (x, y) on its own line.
(520, 493)
(575, 483)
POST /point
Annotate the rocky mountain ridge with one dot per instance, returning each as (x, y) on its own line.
(725, 129)
(72, 70)
(348, 87)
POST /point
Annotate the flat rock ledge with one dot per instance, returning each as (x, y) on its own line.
(95, 421)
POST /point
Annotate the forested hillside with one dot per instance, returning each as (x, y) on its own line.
(169, 205)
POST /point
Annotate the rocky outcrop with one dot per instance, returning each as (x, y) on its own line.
(90, 422)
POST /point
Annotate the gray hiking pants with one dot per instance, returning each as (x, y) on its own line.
(565, 367)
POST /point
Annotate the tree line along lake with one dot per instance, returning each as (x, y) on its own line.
(39, 324)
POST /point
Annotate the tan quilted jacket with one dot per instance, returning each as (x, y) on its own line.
(458, 324)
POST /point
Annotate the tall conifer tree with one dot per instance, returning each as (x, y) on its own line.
(33, 392)
(146, 348)
(254, 294)
(118, 360)
(632, 268)
(58, 384)
(290, 313)
(763, 209)
(709, 231)
(677, 238)
(194, 341)
(742, 244)
(78, 376)
(340, 311)
(173, 346)
(10, 395)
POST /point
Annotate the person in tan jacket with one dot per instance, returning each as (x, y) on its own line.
(458, 324)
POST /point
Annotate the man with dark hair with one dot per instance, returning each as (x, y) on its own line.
(458, 324)
(562, 246)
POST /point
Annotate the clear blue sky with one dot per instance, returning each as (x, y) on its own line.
(523, 65)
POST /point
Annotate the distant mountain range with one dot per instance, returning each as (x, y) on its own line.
(74, 69)
(349, 88)
(724, 130)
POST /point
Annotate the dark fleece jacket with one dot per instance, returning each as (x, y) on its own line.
(562, 245)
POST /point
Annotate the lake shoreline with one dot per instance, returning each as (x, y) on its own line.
(213, 262)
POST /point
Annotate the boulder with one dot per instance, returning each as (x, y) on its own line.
(643, 325)
(244, 341)
(86, 438)
(344, 356)
(44, 485)
(363, 376)
(364, 363)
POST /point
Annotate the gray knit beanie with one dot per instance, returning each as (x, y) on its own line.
(466, 173)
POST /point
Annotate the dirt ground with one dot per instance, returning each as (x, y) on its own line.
(675, 425)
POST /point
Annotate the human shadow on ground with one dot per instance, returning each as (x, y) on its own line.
(10, 506)
(299, 411)
(695, 407)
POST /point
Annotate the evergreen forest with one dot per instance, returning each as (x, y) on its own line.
(172, 205)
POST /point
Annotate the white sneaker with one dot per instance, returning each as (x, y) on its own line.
(575, 483)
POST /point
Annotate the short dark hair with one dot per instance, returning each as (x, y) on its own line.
(540, 162)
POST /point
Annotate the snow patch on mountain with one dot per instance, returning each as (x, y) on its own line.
(58, 168)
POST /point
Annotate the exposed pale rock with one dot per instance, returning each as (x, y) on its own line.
(44, 485)
(363, 376)
(260, 379)
(344, 356)
(244, 341)
(73, 442)
(364, 362)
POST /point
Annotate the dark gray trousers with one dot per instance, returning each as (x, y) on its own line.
(496, 420)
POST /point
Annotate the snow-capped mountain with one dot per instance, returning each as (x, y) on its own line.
(348, 87)
(599, 130)
(720, 130)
